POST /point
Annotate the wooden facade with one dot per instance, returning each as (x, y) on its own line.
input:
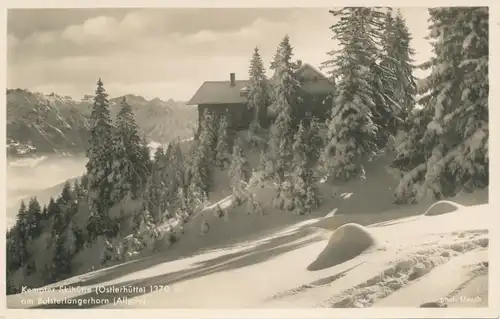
(238, 114)
(230, 98)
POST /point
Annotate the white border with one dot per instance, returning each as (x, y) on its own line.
(494, 145)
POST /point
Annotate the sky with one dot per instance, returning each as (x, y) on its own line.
(164, 52)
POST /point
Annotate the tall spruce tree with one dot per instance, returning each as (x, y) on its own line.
(394, 83)
(61, 261)
(446, 149)
(404, 53)
(155, 196)
(202, 156)
(285, 87)
(238, 174)
(177, 165)
(100, 163)
(34, 217)
(352, 133)
(19, 237)
(130, 170)
(222, 150)
(285, 100)
(303, 187)
(258, 94)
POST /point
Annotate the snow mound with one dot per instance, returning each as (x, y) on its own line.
(442, 207)
(346, 242)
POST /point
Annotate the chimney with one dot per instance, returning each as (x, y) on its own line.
(232, 77)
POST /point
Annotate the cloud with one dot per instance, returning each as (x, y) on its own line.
(99, 29)
(176, 48)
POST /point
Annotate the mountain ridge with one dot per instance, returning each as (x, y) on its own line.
(39, 123)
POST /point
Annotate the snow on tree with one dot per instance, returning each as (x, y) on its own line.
(185, 207)
(222, 150)
(403, 53)
(155, 195)
(100, 162)
(352, 133)
(253, 206)
(200, 179)
(258, 89)
(202, 157)
(63, 209)
(177, 160)
(130, 172)
(285, 87)
(303, 186)
(207, 136)
(173, 176)
(285, 100)
(393, 80)
(238, 174)
(448, 150)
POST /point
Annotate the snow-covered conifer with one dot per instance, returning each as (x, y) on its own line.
(130, 170)
(238, 174)
(450, 150)
(222, 150)
(258, 89)
(352, 133)
(100, 161)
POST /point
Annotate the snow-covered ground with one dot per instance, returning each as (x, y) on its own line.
(405, 262)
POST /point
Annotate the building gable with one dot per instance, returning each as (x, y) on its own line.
(308, 73)
(234, 91)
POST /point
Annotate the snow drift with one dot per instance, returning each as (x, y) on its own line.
(346, 242)
(442, 207)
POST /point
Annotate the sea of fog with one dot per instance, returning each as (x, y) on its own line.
(40, 176)
(43, 177)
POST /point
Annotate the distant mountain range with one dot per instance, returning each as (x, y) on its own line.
(39, 123)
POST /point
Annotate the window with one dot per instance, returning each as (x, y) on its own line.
(308, 114)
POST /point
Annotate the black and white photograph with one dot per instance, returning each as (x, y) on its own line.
(255, 158)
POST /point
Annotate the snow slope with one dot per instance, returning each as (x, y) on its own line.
(407, 256)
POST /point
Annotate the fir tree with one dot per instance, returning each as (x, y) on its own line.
(78, 190)
(285, 87)
(51, 208)
(100, 161)
(222, 150)
(58, 214)
(352, 133)
(238, 174)
(446, 149)
(34, 218)
(407, 88)
(284, 103)
(303, 187)
(61, 262)
(155, 196)
(67, 195)
(203, 155)
(177, 161)
(393, 80)
(130, 170)
(206, 136)
(45, 213)
(258, 93)
(20, 238)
